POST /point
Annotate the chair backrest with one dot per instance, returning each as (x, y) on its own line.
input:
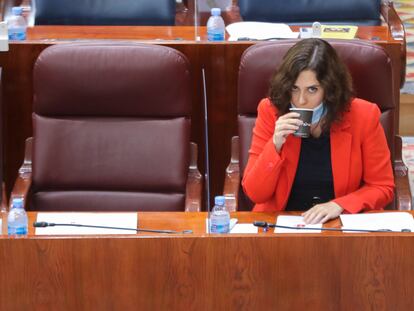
(111, 127)
(105, 12)
(302, 12)
(369, 65)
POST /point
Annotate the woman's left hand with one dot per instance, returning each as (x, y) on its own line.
(321, 213)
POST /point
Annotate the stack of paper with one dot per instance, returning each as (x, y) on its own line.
(259, 31)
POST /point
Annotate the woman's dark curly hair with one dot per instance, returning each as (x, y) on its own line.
(319, 56)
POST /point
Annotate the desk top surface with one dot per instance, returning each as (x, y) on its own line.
(180, 221)
(178, 34)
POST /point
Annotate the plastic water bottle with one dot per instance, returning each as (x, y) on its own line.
(220, 217)
(17, 25)
(17, 220)
(215, 26)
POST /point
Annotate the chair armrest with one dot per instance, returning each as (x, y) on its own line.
(402, 185)
(232, 178)
(194, 183)
(397, 31)
(23, 182)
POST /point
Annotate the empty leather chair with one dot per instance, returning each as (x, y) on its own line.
(111, 131)
(104, 12)
(371, 70)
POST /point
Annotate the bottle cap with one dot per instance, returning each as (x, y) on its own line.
(215, 11)
(17, 10)
(17, 203)
(219, 200)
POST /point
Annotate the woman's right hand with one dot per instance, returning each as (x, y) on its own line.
(284, 126)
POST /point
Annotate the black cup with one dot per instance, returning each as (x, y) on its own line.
(306, 116)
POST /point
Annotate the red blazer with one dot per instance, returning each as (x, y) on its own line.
(361, 165)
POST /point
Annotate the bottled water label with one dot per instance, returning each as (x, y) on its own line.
(215, 36)
(17, 34)
(17, 230)
(220, 227)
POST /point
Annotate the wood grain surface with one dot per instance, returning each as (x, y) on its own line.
(265, 271)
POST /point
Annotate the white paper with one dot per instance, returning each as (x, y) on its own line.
(395, 221)
(260, 31)
(124, 220)
(296, 222)
(244, 228)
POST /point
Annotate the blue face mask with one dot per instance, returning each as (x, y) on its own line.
(318, 113)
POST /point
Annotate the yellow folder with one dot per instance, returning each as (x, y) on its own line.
(338, 31)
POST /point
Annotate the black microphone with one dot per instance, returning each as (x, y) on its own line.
(265, 225)
(44, 224)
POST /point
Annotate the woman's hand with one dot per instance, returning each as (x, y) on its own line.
(284, 126)
(321, 213)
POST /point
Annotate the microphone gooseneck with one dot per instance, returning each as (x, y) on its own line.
(44, 224)
(265, 225)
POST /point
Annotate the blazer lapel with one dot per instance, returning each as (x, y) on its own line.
(341, 141)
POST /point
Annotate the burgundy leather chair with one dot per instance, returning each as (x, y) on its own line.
(111, 131)
(371, 70)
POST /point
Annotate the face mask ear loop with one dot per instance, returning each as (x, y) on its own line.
(322, 114)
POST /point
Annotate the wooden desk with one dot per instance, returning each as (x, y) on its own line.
(220, 60)
(265, 271)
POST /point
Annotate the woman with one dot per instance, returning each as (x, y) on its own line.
(344, 166)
